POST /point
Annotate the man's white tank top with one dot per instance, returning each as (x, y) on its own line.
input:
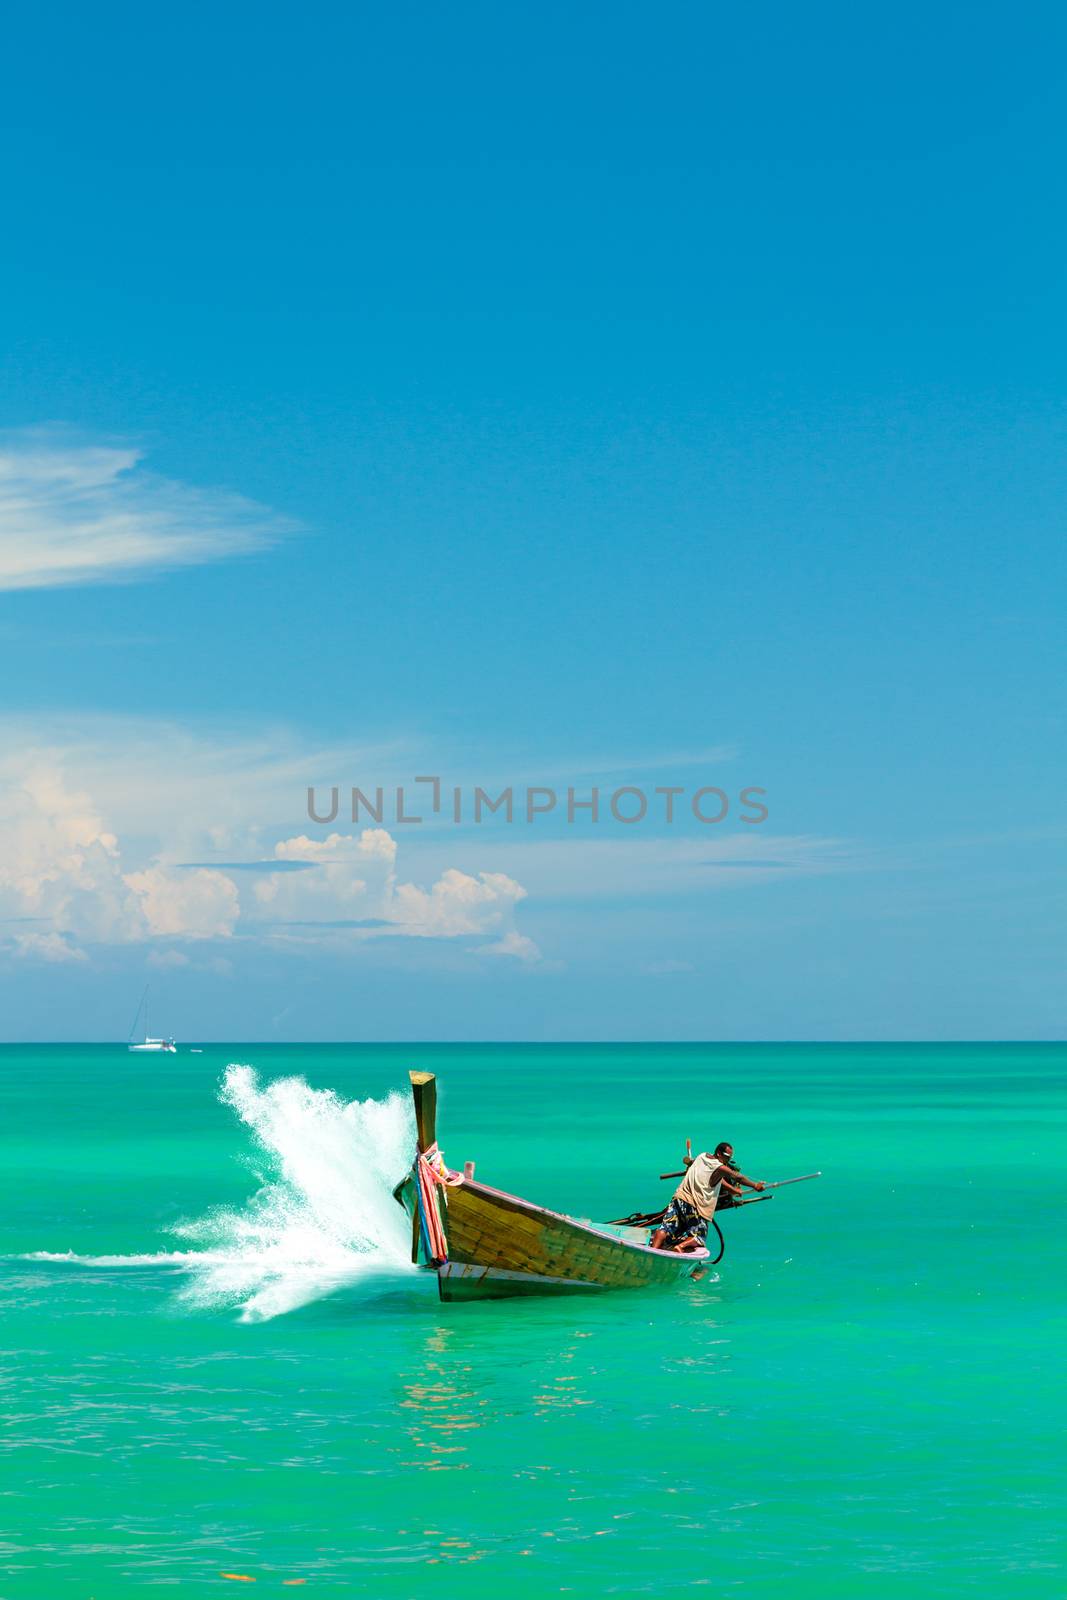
(700, 1186)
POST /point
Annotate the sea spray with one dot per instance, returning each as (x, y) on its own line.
(324, 1213)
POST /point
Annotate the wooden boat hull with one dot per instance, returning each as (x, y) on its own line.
(497, 1246)
(500, 1246)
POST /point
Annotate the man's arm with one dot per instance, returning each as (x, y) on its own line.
(749, 1183)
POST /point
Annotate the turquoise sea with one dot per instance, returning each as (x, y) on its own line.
(215, 1359)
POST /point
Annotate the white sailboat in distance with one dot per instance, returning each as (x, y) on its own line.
(148, 1043)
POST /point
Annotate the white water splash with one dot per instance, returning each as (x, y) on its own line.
(324, 1215)
(326, 1212)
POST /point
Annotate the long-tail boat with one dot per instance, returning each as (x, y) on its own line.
(485, 1244)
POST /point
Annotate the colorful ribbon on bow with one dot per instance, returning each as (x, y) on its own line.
(431, 1174)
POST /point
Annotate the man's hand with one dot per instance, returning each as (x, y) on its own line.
(759, 1186)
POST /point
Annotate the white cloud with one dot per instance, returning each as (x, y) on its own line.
(513, 944)
(178, 961)
(349, 878)
(62, 865)
(354, 879)
(100, 848)
(59, 862)
(167, 960)
(46, 947)
(85, 880)
(203, 904)
(373, 843)
(74, 513)
(456, 904)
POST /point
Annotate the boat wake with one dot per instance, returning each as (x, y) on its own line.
(322, 1217)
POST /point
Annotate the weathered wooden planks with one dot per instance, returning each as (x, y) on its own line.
(491, 1229)
(424, 1093)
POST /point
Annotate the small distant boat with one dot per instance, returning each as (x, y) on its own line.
(486, 1244)
(148, 1043)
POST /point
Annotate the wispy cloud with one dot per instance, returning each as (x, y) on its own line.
(598, 766)
(745, 865)
(249, 866)
(73, 512)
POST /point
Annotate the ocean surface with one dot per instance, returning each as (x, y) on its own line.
(217, 1365)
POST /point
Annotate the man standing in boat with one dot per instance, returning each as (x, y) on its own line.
(684, 1225)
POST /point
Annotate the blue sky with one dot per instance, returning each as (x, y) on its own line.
(533, 396)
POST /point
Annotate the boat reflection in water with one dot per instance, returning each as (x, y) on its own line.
(446, 1404)
(441, 1407)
